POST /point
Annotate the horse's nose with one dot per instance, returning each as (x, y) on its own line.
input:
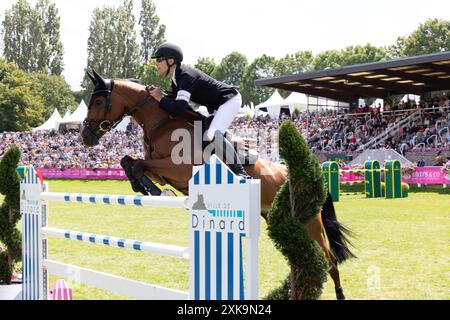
(89, 139)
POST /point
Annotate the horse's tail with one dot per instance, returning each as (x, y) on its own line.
(338, 235)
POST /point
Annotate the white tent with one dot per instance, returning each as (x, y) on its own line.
(272, 105)
(78, 115)
(66, 115)
(296, 100)
(381, 155)
(74, 120)
(51, 122)
(246, 110)
(122, 126)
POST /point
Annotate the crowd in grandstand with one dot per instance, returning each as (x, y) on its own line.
(51, 149)
(325, 131)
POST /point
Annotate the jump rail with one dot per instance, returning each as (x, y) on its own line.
(215, 251)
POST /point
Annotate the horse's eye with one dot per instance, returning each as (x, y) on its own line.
(98, 103)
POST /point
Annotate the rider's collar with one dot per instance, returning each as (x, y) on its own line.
(173, 77)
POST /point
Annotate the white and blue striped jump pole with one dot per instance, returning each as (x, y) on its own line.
(229, 209)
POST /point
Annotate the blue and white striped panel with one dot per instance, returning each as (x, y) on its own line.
(31, 272)
(30, 242)
(218, 266)
(30, 176)
(215, 173)
(103, 199)
(103, 240)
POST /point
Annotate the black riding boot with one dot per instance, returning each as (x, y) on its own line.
(226, 152)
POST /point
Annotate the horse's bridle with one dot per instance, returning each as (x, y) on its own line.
(97, 128)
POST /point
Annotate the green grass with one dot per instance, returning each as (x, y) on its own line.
(402, 245)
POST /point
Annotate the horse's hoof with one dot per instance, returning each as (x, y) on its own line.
(138, 170)
(340, 293)
(168, 193)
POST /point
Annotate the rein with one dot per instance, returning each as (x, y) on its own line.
(107, 125)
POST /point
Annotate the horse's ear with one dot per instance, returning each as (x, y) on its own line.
(99, 78)
(94, 81)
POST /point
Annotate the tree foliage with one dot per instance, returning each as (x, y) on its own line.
(432, 36)
(112, 47)
(54, 91)
(261, 67)
(31, 37)
(20, 109)
(207, 65)
(151, 30)
(231, 69)
(348, 56)
(150, 76)
(10, 237)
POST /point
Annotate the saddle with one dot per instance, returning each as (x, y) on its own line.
(246, 148)
(144, 185)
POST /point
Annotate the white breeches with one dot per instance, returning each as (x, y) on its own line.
(224, 116)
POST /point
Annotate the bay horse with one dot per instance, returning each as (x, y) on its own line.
(113, 99)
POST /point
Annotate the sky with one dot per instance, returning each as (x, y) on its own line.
(215, 28)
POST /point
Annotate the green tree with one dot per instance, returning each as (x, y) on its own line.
(150, 76)
(20, 109)
(52, 52)
(54, 91)
(151, 31)
(293, 63)
(17, 44)
(430, 37)
(31, 37)
(362, 54)
(348, 56)
(261, 67)
(112, 47)
(396, 50)
(231, 69)
(126, 44)
(327, 59)
(10, 214)
(207, 65)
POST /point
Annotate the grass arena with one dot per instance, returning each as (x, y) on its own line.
(401, 244)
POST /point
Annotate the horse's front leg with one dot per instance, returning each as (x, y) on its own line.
(164, 168)
(139, 182)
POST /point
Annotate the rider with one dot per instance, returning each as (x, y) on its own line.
(191, 84)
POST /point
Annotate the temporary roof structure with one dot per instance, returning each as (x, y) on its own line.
(122, 126)
(272, 105)
(381, 155)
(78, 116)
(51, 122)
(66, 115)
(296, 100)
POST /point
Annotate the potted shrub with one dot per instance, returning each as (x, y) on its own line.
(10, 236)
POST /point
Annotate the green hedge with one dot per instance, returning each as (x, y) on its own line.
(10, 236)
(289, 214)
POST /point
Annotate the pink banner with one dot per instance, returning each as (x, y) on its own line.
(427, 175)
(421, 175)
(350, 176)
(113, 174)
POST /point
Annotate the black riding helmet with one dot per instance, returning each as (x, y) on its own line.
(169, 50)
